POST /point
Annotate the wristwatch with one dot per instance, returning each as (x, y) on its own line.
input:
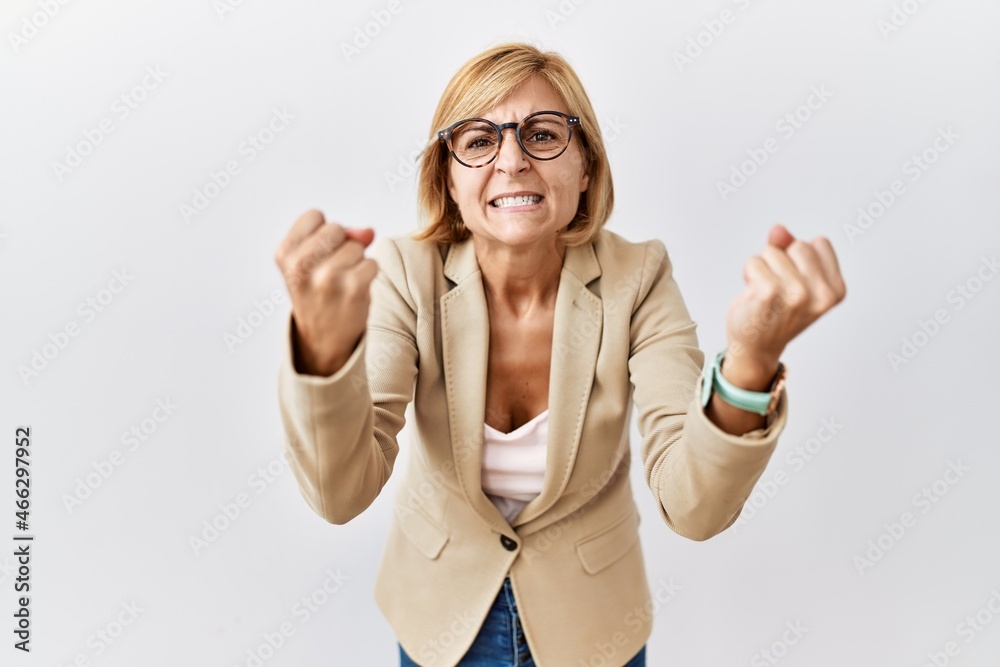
(761, 402)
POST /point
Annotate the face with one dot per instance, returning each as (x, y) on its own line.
(559, 182)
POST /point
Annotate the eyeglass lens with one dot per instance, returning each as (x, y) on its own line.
(542, 136)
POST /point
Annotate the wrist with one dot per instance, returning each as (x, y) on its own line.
(752, 374)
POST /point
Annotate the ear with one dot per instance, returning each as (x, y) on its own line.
(584, 182)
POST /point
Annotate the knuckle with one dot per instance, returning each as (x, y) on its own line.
(770, 291)
(826, 296)
(795, 295)
(325, 277)
(299, 268)
(799, 297)
(312, 214)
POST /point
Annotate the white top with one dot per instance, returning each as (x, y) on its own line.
(514, 464)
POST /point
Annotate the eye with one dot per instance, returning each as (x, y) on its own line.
(482, 141)
(474, 136)
(544, 131)
(539, 136)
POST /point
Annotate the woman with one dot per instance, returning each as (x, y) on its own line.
(523, 331)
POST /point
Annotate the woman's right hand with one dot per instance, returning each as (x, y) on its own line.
(328, 279)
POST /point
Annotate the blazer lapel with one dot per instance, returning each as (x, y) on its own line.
(576, 340)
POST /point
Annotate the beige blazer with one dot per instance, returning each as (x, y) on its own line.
(622, 333)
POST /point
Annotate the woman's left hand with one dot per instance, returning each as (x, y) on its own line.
(790, 284)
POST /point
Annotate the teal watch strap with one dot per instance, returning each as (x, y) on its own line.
(752, 401)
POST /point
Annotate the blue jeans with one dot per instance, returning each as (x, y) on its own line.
(501, 642)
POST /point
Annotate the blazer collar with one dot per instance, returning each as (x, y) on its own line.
(576, 337)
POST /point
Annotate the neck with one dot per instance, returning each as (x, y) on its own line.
(520, 281)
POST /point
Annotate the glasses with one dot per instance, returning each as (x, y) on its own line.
(543, 135)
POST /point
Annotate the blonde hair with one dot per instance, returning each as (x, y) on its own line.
(482, 83)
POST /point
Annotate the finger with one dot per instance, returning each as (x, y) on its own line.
(321, 243)
(298, 265)
(364, 236)
(344, 257)
(350, 277)
(831, 267)
(758, 275)
(792, 281)
(807, 262)
(366, 269)
(302, 228)
(779, 236)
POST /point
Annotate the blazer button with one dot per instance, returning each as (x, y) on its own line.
(508, 543)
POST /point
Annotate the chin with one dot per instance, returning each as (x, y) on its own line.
(518, 232)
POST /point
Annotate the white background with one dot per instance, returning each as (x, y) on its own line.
(674, 131)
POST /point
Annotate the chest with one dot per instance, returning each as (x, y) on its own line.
(517, 381)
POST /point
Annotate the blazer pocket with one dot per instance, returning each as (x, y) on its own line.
(424, 533)
(603, 548)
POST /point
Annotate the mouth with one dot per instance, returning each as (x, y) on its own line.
(512, 201)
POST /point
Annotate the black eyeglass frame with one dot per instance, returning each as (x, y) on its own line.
(445, 136)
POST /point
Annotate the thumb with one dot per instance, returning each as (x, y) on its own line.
(779, 236)
(363, 235)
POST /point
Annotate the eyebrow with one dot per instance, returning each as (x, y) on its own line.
(479, 125)
(524, 116)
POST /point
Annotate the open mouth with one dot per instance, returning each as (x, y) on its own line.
(522, 200)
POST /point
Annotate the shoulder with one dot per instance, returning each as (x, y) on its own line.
(402, 253)
(411, 269)
(630, 266)
(613, 248)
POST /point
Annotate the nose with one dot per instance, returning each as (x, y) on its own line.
(511, 158)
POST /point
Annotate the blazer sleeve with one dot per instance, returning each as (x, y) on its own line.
(700, 476)
(340, 430)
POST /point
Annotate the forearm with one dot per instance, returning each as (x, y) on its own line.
(339, 445)
(708, 473)
(339, 473)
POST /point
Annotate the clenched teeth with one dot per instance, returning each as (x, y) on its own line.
(523, 200)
